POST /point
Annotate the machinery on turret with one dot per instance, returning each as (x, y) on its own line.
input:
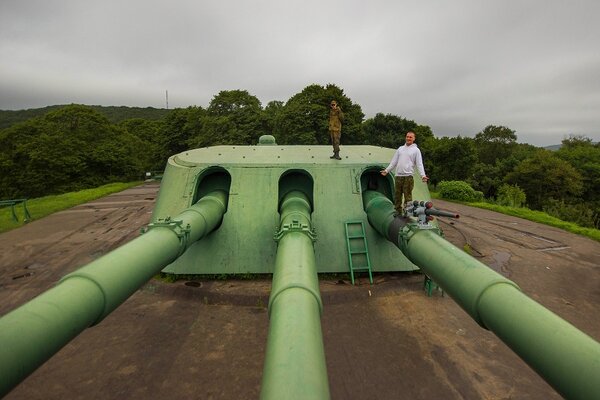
(279, 210)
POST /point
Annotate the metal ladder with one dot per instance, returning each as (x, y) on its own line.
(358, 252)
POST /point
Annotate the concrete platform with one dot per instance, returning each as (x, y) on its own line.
(206, 339)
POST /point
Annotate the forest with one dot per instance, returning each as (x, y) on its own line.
(65, 148)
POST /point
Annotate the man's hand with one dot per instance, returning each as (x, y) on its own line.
(384, 172)
(425, 179)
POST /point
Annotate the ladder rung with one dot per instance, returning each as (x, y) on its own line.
(356, 230)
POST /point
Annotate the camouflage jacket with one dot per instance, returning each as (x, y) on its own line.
(335, 119)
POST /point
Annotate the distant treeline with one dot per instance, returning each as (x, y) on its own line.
(114, 114)
(65, 148)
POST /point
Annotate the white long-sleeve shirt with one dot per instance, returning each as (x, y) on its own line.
(405, 159)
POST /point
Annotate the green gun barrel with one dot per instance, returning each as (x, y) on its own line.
(295, 358)
(34, 332)
(568, 359)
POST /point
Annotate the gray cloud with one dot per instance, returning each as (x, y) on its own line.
(456, 66)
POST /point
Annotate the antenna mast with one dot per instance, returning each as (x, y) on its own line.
(167, 98)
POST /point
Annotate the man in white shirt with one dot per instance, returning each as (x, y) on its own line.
(403, 163)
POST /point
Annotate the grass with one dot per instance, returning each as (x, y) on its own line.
(531, 215)
(44, 206)
(542, 218)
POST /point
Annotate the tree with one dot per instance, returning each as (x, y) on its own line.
(68, 149)
(512, 196)
(178, 128)
(584, 156)
(449, 159)
(228, 102)
(304, 118)
(574, 141)
(388, 130)
(270, 114)
(150, 152)
(495, 142)
(545, 176)
(232, 117)
(488, 178)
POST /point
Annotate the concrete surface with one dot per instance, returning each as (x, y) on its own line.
(206, 339)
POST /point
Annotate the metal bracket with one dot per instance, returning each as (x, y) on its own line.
(404, 236)
(407, 232)
(182, 232)
(295, 226)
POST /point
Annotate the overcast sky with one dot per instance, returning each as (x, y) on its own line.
(457, 66)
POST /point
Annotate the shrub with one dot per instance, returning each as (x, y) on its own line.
(458, 190)
(581, 214)
(511, 195)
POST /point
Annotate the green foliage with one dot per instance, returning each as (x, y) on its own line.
(270, 115)
(62, 148)
(579, 213)
(511, 195)
(489, 177)
(228, 102)
(544, 176)
(114, 114)
(495, 143)
(449, 159)
(584, 156)
(304, 118)
(458, 190)
(150, 153)
(180, 127)
(388, 130)
(71, 148)
(232, 117)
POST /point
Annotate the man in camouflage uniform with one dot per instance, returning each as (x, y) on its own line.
(336, 116)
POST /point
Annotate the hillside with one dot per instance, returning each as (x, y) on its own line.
(114, 114)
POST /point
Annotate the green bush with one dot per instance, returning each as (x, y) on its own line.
(580, 214)
(458, 190)
(511, 196)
